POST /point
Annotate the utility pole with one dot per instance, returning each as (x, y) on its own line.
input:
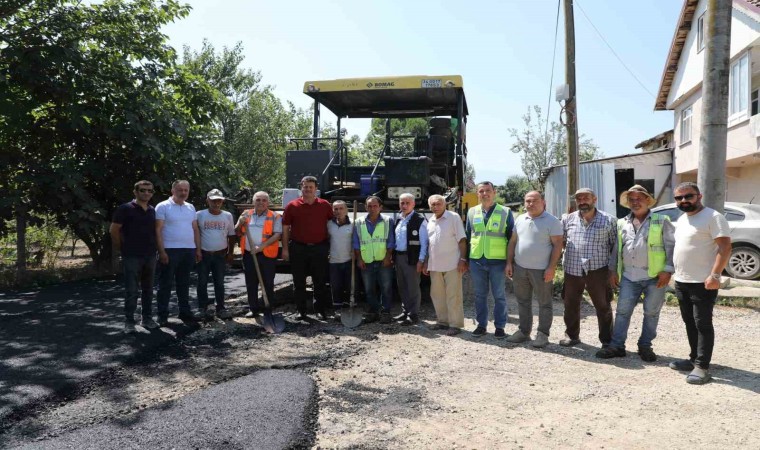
(571, 115)
(711, 175)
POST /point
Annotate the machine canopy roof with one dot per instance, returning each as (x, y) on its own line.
(397, 97)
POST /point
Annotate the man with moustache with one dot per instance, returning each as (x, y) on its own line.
(702, 249)
(217, 230)
(534, 250)
(179, 248)
(305, 243)
(644, 265)
(133, 236)
(446, 262)
(373, 243)
(410, 253)
(590, 264)
(488, 229)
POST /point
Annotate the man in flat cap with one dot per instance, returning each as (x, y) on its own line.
(644, 266)
(590, 263)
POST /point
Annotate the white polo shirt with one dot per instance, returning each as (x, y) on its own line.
(178, 223)
(444, 234)
(340, 241)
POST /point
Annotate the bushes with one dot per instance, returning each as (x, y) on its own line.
(44, 242)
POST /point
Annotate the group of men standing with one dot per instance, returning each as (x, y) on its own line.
(638, 253)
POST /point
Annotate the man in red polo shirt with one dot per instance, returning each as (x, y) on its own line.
(306, 244)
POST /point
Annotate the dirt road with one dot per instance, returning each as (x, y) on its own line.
(411, 387)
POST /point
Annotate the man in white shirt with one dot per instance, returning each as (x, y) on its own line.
(703, 246)
(409, 257)
(217, 229)
(179, 248)
(446, 262)
(534, 250)
(340, 230)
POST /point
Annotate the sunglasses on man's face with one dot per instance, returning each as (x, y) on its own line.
(684, 197)
(150, 191)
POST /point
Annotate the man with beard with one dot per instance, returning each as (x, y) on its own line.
(590, 264)
(703, 246)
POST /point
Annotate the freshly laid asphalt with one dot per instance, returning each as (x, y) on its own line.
(268, 409)
(52, 339)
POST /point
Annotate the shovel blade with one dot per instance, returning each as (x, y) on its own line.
(351, 317)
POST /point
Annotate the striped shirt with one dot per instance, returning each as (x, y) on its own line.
(589, 246)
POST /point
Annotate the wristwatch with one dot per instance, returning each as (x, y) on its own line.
(463, 259)
(715, 276)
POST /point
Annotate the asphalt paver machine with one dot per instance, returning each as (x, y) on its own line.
(438, 161)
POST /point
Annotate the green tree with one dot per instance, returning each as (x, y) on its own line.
(515, 188)
(91, 100)
(540, 147)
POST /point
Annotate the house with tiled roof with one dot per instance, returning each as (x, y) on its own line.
(681, 92)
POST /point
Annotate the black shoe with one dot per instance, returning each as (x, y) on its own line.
(371, 317)
(409, 322)
(385, 318)
(400, 318)
(187, 317)
(252, 314)
(499, 333)
(479, 332)
(682, 364)
(163, 322)
(324, 314)
(302, 316)
(647, 354)
(610, 352)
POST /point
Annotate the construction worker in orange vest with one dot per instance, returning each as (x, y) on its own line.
(260, 230)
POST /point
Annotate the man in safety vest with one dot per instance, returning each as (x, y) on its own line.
(260, 230)
(644, 266)
(489, 226)
(374, 241)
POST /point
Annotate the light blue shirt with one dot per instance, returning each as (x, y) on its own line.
(421, 233)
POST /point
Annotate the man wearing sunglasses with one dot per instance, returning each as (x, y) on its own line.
(133, 236)
(703, 246)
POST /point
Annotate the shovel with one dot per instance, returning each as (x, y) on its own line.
(271, 323)
(352, 317)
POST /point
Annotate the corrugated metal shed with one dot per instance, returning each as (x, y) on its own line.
(599, 176)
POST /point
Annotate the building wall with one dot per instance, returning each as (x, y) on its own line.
(744, 31)
(742, 183)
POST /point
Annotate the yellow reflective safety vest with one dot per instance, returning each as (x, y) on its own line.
(373, 246)
(489, 238)
(655, 246)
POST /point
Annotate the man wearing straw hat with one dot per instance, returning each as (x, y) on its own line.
(644, 266)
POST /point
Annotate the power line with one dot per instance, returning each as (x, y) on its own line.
(551, 78)
(613, 50)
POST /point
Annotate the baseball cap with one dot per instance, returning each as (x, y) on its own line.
(584, 191)
(215, 194)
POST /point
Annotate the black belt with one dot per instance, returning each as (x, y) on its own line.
(401, 253)
(217, 252)
(309, 245)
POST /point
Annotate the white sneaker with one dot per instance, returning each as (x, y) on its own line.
(541, 340)
(129, 328)
(149, 324)
(518, 337)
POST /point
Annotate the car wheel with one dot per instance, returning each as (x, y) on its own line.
(744, 263)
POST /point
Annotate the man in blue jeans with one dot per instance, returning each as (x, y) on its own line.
(340, 229)
(217, 230)
(133, 235)
(644, 266)
(179, 248)
(373, 243)
(488, 229)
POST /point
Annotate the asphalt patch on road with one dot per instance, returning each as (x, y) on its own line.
(268, 409)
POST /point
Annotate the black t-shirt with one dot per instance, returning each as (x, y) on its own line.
(138, 229)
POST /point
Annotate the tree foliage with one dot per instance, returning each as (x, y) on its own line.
(92, 100)
(515, 188)
(373, 144)
(540, 147)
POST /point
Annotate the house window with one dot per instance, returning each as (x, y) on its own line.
(701, 33)
(686, 125)
(753, 102)
(739, 86)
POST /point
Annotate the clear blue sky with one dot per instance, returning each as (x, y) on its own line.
(503, 50)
